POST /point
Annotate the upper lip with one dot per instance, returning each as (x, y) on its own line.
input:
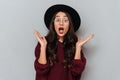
(61, 28)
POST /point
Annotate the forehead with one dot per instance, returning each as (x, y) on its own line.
(61, 14)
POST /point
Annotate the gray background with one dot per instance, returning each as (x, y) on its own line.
(19, 18)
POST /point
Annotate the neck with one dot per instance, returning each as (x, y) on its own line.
(60, 39)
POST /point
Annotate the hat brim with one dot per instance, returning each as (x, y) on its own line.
(60, 7)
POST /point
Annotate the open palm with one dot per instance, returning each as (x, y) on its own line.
(82, 41)
(41, 39)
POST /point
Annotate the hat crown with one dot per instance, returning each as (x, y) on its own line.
(61, 7)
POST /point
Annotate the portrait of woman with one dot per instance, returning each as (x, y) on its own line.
(59, 55)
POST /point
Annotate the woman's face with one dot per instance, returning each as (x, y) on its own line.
(61, 24)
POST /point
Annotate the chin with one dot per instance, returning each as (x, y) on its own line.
(61, 35)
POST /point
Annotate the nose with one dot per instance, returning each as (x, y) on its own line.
(61, 22)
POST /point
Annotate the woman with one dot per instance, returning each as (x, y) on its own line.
(59, 54)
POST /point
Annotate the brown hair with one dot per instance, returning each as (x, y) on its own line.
(69, 42)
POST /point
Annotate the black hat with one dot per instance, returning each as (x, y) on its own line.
(61, 7)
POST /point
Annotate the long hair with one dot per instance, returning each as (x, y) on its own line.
(69, 42)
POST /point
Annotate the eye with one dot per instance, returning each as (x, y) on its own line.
(66, 20)
(57, 20)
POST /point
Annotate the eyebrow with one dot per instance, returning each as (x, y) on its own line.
(59, 16)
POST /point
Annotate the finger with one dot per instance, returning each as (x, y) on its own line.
(37, 33)
(43, 38)
(89, 37)
(38, 36)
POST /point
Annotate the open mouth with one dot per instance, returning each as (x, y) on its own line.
(61, 30)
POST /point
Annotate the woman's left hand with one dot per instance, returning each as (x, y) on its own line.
(82, 41)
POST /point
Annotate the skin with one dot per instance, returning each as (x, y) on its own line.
(61, 21)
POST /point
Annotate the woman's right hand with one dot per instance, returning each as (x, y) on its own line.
(43, 43)
(41, 39)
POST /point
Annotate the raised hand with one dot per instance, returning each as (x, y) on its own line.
(82, 41)
(41, 39)
(79, 44)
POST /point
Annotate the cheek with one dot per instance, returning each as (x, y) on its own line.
(67, 27)
(55, 26)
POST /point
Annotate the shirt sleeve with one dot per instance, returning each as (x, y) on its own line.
(78, 65)
(41, 69)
